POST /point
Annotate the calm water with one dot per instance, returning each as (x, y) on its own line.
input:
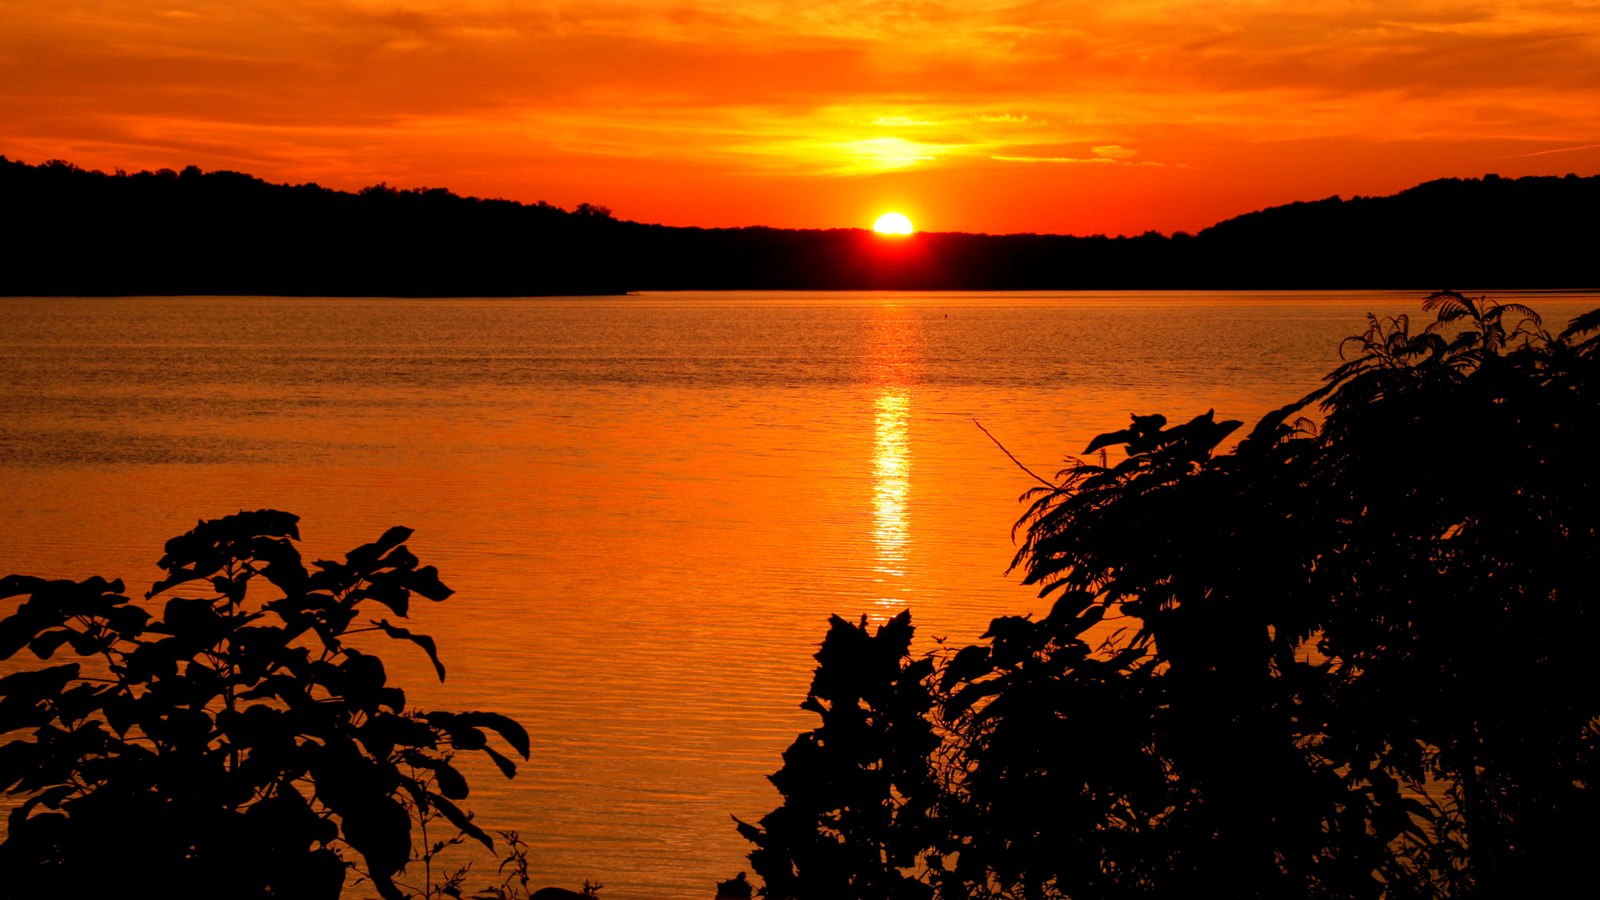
(648, 505)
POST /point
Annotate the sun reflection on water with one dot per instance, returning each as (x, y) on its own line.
(891, 488)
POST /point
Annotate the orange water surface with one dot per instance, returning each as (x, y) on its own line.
(648, 505)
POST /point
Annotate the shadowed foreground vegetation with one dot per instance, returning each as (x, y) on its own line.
(1348, 658)
(234, 743)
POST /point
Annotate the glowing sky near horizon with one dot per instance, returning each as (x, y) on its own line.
(968, 115)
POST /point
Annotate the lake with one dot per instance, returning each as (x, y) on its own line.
(648, 505)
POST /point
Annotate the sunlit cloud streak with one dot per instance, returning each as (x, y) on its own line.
(650, 105)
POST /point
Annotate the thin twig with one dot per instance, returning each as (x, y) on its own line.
(1049, 484)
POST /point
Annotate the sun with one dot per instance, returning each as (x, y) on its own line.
(892, 223)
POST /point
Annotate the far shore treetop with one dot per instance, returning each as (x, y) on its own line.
(223, 232)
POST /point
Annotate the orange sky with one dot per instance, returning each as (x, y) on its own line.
(1065, 116)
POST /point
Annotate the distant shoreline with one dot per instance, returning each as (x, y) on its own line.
(70, 232)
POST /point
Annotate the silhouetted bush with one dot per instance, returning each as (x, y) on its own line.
(231, 743)
(1349, 658)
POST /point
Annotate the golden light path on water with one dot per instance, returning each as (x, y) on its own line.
(891, 489)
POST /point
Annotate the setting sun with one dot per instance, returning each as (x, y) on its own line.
(892, 223)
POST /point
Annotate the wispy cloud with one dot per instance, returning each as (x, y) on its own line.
(1104, 154)
(1068, 160)
(1551, 152)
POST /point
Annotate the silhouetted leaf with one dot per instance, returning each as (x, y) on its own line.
(421, 640)
(40, 684)
(193, 619)
(969, 694)
(389, 589)
(425, 581)
(364, 557)
(281, 563)
(15, 585)
(508, 729)
(400, 558)
(127, 621)
(968, 663)
(461, 821)
(506, 766)
(380, 830)
(17, 758)
(451, 784)
(45, 645)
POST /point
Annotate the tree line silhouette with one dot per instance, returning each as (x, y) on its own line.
(73, 231)
(1351, 657)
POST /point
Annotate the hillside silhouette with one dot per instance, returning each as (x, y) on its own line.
(72, 231)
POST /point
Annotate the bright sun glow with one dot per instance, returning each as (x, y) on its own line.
(892, 223)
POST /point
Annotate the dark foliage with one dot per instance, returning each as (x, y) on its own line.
(71, 231)
(873, 744)
(1346, 659)
(230, 741)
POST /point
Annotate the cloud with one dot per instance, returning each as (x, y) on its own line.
(1552, 151)
(778, 88)
(1113, 151)
(1185, 62)
(1104, 155)
(1009, 119)
(1070, 160)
